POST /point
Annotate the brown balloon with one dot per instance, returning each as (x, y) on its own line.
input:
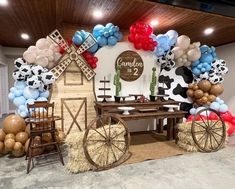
(13, 124)
(26, 145)
(36, 141)
(27, 129)
(9, 144)
(195, 87)
(10, 135)
(190, 93)
(47, 137)
(211, 98)
(1, 146)
(190, 86)
(18, 150)
(204, 85)
(60, 137)
(2, 135)
(199, 101)
(206, 94)
(217, 89)
(198, 93)
(204, 100)
(22, 137)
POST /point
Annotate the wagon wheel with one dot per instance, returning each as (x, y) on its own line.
(208, 135)
(106, 142)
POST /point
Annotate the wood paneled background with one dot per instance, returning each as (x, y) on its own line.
(40, 17)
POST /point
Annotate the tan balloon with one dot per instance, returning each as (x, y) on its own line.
(190, 92)
(217, 89)
(1, 147)
(61, 136)
(18, 149)
(190, 86)
(27, 129)
(13, 124)
(204, 85)
(10, 135)
(2, 135)
(204, 99)
(9, 144)
(211, 98)
(206, 94)
(195, 87)
(198, 93)
(47, 137)
(22, 137)
(199, 101)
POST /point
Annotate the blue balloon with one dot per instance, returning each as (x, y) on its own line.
(116, 28)
(98, 30)
(112, 41)
(203, 70)
(11, 96)
(13, 89)
(41, 99)
(109, 25)
(110, 32)
(23, 114)
(84, 34)
(113, 29)
(19, 101)
(102, 41)
(223, 108)
(161, 39)
(199, 66)
(215, 106)
(45, 94)
(192, 111)
(18, 92)
(29, 101)
(106, 34)
(159, 51)
(20, 84)
(77, 39)
(195, 63)
(118, 35)
(94, 48)
(22, 107)
(30, 93)
(196, 71)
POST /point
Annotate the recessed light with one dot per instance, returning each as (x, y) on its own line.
(97, 14)
(154, 22)
(208, 31)
(24, 36)
(3, 2)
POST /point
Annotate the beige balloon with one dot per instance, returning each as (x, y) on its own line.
(183, 42)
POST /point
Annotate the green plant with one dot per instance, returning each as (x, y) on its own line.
(117, 82)
(153, 82)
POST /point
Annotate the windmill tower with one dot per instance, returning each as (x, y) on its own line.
(72, 93)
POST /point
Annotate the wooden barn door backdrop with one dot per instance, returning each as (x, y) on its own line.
(74, 100)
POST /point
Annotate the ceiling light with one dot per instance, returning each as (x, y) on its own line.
(24, 36)
(97, 14)
(3, 2)
(154, 23)
(208, 31)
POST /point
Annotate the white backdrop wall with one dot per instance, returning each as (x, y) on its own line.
(227, 52)
(106, 67)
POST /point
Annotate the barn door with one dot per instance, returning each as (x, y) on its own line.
(74, 114)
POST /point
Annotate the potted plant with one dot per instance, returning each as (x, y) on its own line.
(153, 85)
(118, 85)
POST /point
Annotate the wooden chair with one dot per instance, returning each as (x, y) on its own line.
(41, 120)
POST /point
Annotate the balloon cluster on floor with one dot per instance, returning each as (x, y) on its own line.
(31, 84)
(14, 137)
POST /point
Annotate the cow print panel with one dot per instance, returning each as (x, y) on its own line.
(166, 80)
(180, 91)
(185, 73)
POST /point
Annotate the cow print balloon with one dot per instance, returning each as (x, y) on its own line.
(34, 82)
(25, 70)
(17, 76)
(48, 78)
(19, 62)
(37, 69)
(166, 61)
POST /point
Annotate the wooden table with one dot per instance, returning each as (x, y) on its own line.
(172, 117)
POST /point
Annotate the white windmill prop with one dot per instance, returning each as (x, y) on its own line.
(72, 54)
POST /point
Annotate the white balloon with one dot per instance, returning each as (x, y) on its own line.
(183, 41)
(29, 56)
(194, 54)
(51, 65)
(42, 61)
(178, 52)
(57, 56)
(54, 48)
(50, 58)
(32, 49)
(42, 44)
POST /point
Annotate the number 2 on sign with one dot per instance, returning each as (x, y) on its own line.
(135, 71)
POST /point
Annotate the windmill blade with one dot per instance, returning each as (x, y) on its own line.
(88, 43)
(85, 68)
(63, 63)
(59, 40)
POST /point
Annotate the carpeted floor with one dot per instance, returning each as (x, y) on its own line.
(194, 171)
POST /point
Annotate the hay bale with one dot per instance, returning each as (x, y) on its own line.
(185, 139)
(77, 161)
